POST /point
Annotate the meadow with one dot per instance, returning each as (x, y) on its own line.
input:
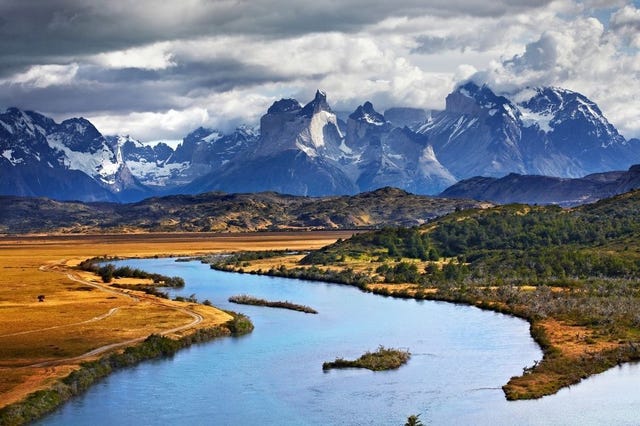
(43, 341)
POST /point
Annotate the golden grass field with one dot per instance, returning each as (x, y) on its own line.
(80, 314)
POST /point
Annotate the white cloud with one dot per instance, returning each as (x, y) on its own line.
(626, 22)
(41, 76)
(151, 125)
(584, 56)
(152, 57)
(223, 111)
(212, 63)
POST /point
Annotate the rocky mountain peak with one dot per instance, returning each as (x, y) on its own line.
(472, 99)
(16, 121)
(368, 114)
(198, 134)
(406, 116)
(284, 106)
(319, 103)
(78, 134)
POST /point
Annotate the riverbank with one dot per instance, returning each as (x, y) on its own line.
(572, 351)
(43, 342)
(42, 402)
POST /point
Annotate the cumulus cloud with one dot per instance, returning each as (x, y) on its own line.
(156, 125)
(626, 22)
(585, 56)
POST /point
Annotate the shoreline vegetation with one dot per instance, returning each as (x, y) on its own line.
(40, 403)
(557, 369)
(572, 274)
(245, 299)
(382, 359)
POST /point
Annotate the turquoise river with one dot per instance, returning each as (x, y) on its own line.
(461, 356)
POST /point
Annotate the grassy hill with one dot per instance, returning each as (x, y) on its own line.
(219, 212)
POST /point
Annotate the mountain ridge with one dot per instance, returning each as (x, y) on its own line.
(222, 212)
(532, 189)
(308, 150)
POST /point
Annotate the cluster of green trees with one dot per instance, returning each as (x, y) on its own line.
(109, 271)
(403, 272)
(513, 243)
(385, 243)
(313, 273)
(247, 256)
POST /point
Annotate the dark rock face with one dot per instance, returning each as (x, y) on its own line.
(532, 189)
(478, 134)
(287, 172)
(575, 133)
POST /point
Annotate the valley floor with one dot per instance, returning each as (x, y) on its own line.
(80, 318)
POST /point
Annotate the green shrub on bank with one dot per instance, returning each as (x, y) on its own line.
(239, 325)
(108, 272)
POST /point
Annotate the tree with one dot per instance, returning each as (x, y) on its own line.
(413, 420)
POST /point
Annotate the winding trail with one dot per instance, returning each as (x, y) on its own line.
(59, 267)
(98, 318)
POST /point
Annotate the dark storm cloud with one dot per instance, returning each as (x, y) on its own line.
(90, 98)
(131, 89)
(55, 31)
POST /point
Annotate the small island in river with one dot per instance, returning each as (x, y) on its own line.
(244, 299)
(380, 360)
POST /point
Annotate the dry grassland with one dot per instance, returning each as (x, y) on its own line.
(80, 314)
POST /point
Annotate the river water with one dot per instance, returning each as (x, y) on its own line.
(461, 356)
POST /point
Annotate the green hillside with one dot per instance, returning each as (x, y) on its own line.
(574, 274)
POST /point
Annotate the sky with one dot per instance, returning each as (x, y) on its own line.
(157, 69)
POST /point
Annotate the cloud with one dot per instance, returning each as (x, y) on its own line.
(137, 65)
(582, 55)
(169, 124)
(220, 111)
(626, 22)
(40, 76)
(58, 29)
(151, 57)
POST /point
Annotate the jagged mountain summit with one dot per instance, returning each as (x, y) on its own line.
(550, 131)
(298, 152)
(308, 150)
(70, 160)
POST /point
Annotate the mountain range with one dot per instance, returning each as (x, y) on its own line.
(219, 212)
(309, 150)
